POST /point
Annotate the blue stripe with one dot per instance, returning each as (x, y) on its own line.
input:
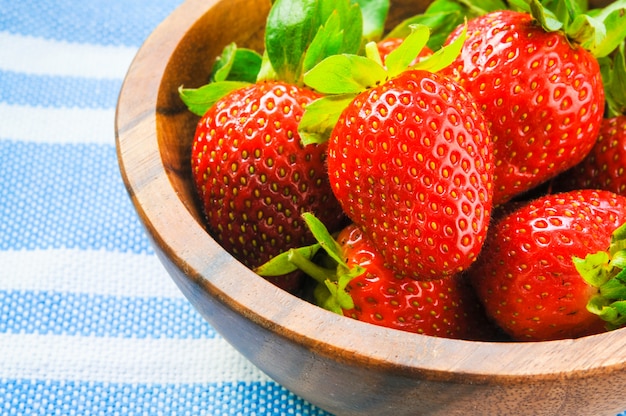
(57, 91)
(43, 397)
(105, 22)
(55, 313)
(66, 196)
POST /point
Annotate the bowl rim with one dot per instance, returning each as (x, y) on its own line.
(283, 313)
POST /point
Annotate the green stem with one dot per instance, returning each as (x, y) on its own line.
(320, 274)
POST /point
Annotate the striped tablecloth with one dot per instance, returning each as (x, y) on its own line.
(90, 323)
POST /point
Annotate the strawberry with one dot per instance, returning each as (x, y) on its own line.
(539, 85)
(604, 167)
(410, 160)
(550, 267)
(441, 307)
(253, 175)
(356, 283)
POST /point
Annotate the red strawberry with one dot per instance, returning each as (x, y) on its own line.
(529, 276)
(445, 307)
(410, 162)
(605, 166)
(354, 281)
(253, 175)
(255, 178)
(540, 91)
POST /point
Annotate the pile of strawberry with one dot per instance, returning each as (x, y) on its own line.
(460, 176)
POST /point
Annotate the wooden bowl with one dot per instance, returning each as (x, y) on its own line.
(341, 365)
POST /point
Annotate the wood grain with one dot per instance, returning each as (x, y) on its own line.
(344, 366)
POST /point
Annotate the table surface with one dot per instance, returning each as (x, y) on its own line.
(90, 323)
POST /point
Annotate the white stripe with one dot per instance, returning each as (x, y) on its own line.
(88, 272)
(62, 58)
(57, 125)
(123, 360)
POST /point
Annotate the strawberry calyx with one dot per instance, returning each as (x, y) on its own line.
(606, 271)
(340, 78)
(332, 274)
(298, 35)
(599, 31)
(613, 70)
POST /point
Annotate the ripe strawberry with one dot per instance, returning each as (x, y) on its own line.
(529, 276)
(540, 91)
(410, 162)
(254, 177)
(605, 166)
(445, 307)
(252, 174)
(354, 281)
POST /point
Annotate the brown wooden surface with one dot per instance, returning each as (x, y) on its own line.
(341, 365)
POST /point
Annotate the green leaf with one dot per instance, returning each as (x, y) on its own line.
(565, 11)
(519, 5)
(594, 268)
(545, 17)
(486, 6)
(321, 234)
(598, 306)
(266, 72)
(351, 22)
(236, 64)
(199, 100)
(610, 303)
(327, 42)
(339, 299)
(400, 58)
(294, 25)
(224, 62)
(373, 53)
(619, 320)
(291, 26)
(344, 74)
(320, 117)
(613, 290)
(283, 264)
(323, 295)
(444, 56)
(374, 17)
(618, 240)
(619, 259)
(619, 234)
(614, 313)
(615, 32)
(602, 13)
(587, 31)
(334, 295)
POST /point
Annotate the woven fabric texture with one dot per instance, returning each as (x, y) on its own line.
(90, 322)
